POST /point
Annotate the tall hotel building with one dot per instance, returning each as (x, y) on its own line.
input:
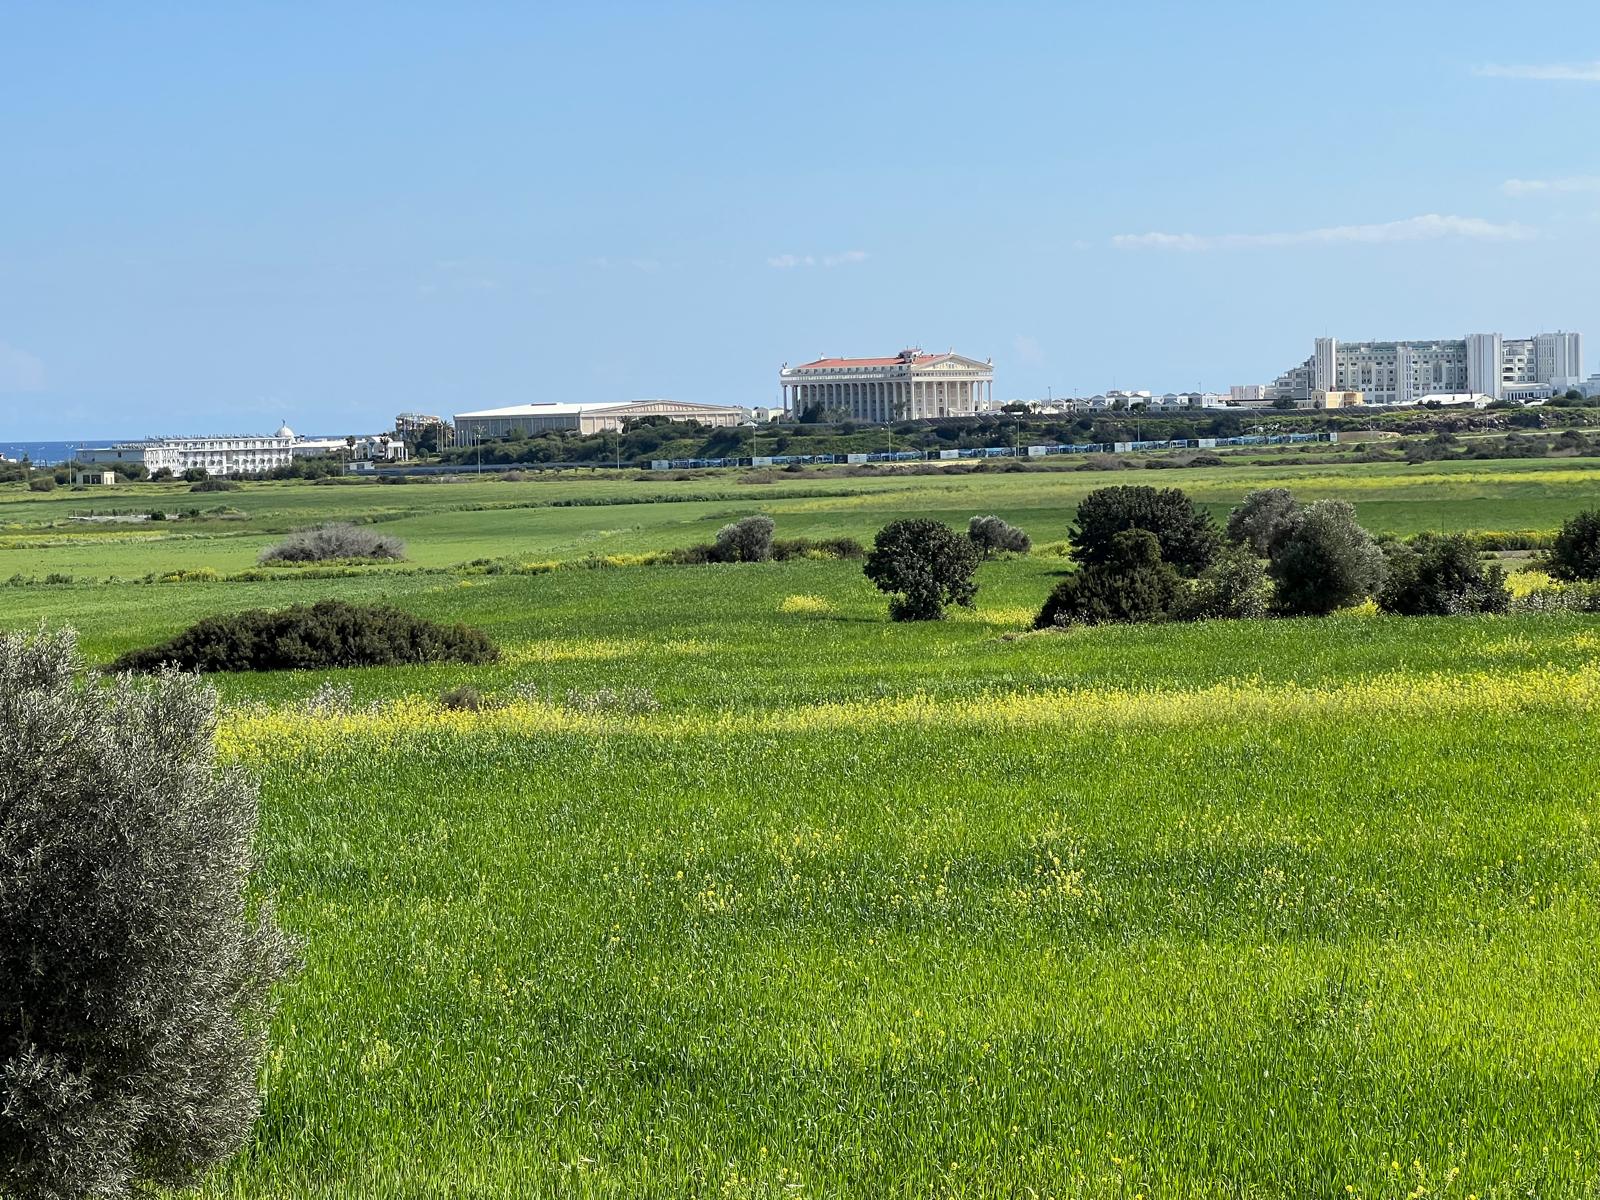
(1485, 364)
(910, 386)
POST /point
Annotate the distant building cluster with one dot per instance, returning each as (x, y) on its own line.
(1481, 366)
(239, 454)
(528, 419)
(914, 385)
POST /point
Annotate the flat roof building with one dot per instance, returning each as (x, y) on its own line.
(909, 386)
(584, 418)
(229, 455)
(1403, 373)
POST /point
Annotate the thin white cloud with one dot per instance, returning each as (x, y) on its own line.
(1027, 350)
(1552, 72)
(19, 370)
(1551, 187)
(785, 262)
(1411, 229)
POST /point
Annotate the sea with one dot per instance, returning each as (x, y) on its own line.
(47, 454)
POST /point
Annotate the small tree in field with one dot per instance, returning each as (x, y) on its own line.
(135, 968)
(1131, 584)
(1323, 561)
(1259, 517)
(1187, 535)
(749, 539)
(1575, 556)
(923, 565)
(993, 536)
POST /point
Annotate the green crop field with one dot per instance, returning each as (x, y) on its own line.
(738, 889)
(447, 524)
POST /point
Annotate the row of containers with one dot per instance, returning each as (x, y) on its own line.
(881, 456)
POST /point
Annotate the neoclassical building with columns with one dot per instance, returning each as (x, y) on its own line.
(910, 386)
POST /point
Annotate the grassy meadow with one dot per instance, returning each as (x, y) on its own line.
(854, 909)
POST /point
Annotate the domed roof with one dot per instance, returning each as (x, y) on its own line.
(285, 431)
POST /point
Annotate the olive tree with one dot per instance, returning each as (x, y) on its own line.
(135, 962)
(992, 535)
(924, 565)
(749, 539)
(1323, 561)
(1258, 518)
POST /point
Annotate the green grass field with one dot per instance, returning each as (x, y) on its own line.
(1260, 909)
(447, 524)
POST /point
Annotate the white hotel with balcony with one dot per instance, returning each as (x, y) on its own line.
(909, 386)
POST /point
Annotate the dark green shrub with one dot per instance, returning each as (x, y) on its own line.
(1575, 555)
(1258, 517)
(135, 966)
(924, 565)
(42, 483)
(993, 536)
(1323, 561)
(334, 542)
(1130, 584)
(1187, 535)
(198, 475)
(1441, 577)
(330, 633)
(208, 483)
(1233, 588)
(157, 514)
(749, 539)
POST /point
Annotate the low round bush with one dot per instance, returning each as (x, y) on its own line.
(1233, 588)
(330, 633)
(1575, 555)
(992, 536)
(335, 542)
(136, 966)
(749, 539)
(1441, 577)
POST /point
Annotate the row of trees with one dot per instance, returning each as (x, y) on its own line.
(1144, 554)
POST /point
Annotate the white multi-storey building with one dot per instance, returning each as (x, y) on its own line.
(910, 386)
(1485, 364)
(238, 455)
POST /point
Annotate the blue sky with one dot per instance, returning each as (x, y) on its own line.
(216, 217)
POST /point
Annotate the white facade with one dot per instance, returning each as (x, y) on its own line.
(584, 418)
(213, 455)
(367, 448)
(1558, 359)
(1399, 373)
(911, 386)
